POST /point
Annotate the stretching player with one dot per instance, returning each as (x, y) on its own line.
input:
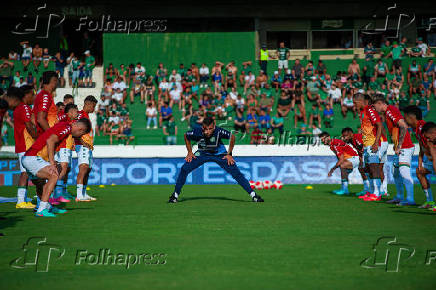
(403, 148)
(64, 154)
(413, 118)
(356, 140)
(210, 149)
(348, 159)
(429, 132)
(84, 152)
(371, 128)
(40, 164)
(24, 134)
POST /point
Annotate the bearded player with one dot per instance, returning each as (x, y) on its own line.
(210, 149)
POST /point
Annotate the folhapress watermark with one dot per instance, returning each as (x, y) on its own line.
(388, 254)
(104, 257)
(106, 23)
(39, 255)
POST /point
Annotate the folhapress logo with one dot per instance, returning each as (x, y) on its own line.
(38, 254)
(388, 254)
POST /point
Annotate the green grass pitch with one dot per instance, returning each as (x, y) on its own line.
(215, 238)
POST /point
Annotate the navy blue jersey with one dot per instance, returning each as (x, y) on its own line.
(212, 145)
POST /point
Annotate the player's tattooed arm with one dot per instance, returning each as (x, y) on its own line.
(403, 130)
(31, 128)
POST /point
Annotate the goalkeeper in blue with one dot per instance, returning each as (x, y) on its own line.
(211, 149)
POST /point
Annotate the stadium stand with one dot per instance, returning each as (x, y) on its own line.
(136, 52)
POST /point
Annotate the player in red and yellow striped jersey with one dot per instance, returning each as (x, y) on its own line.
(84, 152)
(64, 153)
(403, 148)
(44, 108)
(348, 159)
(24, 134)
(371, 128)
(357, 141)
(40, 164)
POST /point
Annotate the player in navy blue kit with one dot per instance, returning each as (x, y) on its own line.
(211, 149)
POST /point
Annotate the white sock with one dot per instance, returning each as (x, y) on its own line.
(385, 181)
(21, 194)
(176, 195)
(252, 194)
(43, 205)
(366, 185)
(80, 191)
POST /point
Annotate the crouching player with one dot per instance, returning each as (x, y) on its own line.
(348, 159)
(403, 148)
(429, 133)
(210, 149)
(64, 155)
(40, 164)
(84, 152)
(357, 141)
(413, 118)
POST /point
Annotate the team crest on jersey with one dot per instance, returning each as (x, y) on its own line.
(212, 139)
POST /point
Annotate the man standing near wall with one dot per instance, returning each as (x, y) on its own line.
(264, 58)
(283, 54)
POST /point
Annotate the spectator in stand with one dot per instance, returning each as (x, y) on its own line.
(321, 68)
(110, 73)
(283, 55)
(328, 115)
(348, 105)
(249, 81)
(264, 120)
(6, 68)
(284, 104)
(421, 48)
(89, 67)
(299, 107)
(217, 80)
(26, 55)
(161, 73)
(12, 55)
(396, 53)
(277, 122)
(312, 90)
(165, 113)
(369, 51)
(151, 114)
(126, 131)
(381, 68)
(276, 81)
(354, 70)
(246, 68)
(252, 118)
(297, 70)
(335, 95)
(117, 95)
(59, 67)
(261, 80)
(119, 84)
(36, 56)
(240, 124)
(31, 80)
(204, 76)
(170, 131)
(386, 49)
(46, 58)
(315, 114)
(414, 76)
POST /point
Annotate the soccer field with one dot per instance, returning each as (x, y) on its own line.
(216, 238)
